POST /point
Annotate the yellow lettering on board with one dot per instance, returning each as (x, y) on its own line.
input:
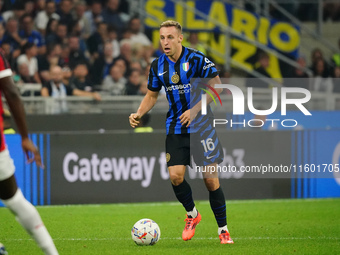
(191, 22)
(219, 47)
(217, 12)
(262, 31)
(179, 13)
(244, 50)
(244, 22)
(274, 68)
(155, 9)
(293, 34)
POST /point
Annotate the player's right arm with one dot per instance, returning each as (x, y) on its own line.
(146, 105)
(14, 102)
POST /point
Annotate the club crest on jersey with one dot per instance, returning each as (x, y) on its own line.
(175, 78)
(185, 66)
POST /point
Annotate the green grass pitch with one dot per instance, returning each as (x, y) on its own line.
(256, 226)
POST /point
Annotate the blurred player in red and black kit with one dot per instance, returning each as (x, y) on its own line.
(10, 194)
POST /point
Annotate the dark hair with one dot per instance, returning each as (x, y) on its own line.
(111, 28)
(262, 54)
(48, 26)
(50, 47)
(132, 18)
(27, 46)
(25, 16)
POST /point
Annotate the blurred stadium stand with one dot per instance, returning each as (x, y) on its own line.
(317, 30)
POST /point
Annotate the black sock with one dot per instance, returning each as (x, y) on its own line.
(184, 195)
(217, 203)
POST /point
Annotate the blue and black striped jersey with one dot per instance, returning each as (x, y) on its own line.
(175, 77)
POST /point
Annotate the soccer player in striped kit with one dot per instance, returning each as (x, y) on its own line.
(174, 70)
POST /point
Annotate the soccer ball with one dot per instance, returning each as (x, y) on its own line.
(3, 250)
(145, 232)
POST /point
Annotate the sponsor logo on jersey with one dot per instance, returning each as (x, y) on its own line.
(182, 88)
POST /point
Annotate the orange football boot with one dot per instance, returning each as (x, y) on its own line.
(190, 225)
(225, 237)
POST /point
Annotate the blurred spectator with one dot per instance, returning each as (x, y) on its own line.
(315, 56)
(79, 79)
(298, 78)
(40, 5)
(137, 51)
(336, 57)
(81, 20)
(336, 79)
(95, 43)
(331, 11)
(46, 61)
(101, 66)
(159, 51)
(31, 35)
(143, 89)
(51, 28)
(148, 55)
(2, 32)
(136, 66)
(44, 16)
(6, 47)
(126, 50)
(65, 55)
(24, 74)
(136, 35)
(16, 11)
(115, 83)
(29, 58)
(65, 14)
(66, 74)
(76, 54)
(56, 89)
(59, 36)
(29, 8)
(134, 83)
(112, 35)
(146, 71)
(322, 81)
(76, 31)
(12, 37)
(93, 17)
(111, 15)
(123, 64)
(262, 64)
(126, 34)
(193, 43)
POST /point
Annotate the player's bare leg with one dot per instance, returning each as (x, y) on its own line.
(26, 215)
(184, 195)
(217, 201)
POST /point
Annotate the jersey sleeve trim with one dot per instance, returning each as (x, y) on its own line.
(154, 89)
(5, 73)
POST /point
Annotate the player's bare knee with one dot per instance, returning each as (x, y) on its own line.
(176, 179)
(211, 183)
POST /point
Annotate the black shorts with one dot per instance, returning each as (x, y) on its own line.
(205, 148)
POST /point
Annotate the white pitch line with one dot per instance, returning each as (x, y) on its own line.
(179, 238)
(231, 202)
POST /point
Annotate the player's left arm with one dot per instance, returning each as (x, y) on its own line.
(189, 115)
